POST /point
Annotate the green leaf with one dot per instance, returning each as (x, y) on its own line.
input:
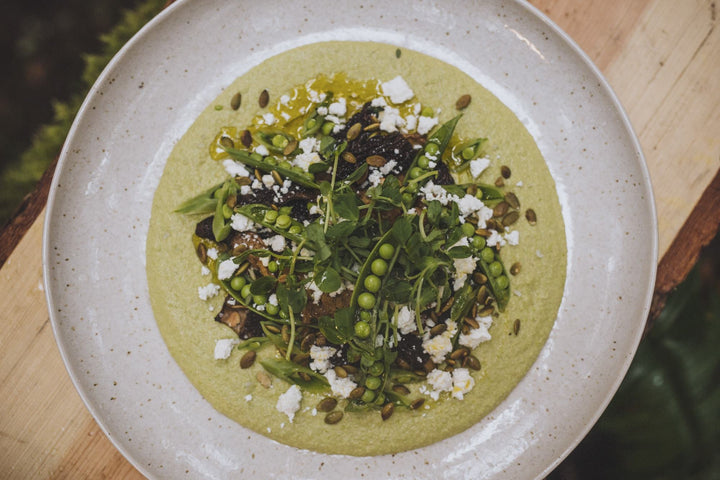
(328, 280)
(464, 300)
(341, 230)
(263, 285)
(338, 329)
(346, 205)
(291, 294)
(460, 251)
(402, 229)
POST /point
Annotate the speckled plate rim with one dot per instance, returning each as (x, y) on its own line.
(90, 187)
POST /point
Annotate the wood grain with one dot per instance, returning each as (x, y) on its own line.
(661, 58)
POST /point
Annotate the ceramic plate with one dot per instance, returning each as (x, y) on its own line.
(99, 208)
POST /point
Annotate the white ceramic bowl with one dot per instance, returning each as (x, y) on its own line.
(99, 208)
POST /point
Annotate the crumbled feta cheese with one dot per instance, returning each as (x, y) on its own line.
(462, 382)
(226, 269)
(262, 150)
(245, 190)
(204, 270)
(397, 90)
(378, 102)
(519, 184)
(390, 120)
(269, 118)
(476, 336)
(284, 99)
(375, 178)
(440, 381)
(208, 291)
(463, 268)
(388, 167)
(273, 300)
(411, 122)
(235, 169)
(223, 347)
(406, 320)
(289, 402)
(241, 223)
(309, 144)
(340, 386)
(212, 253)
(440, 345)
(268, 180)
(338, 108)
(276, 243)
(248, 397)
(478, 166)
(322, 111)
(321, 358)
(512, 238)
(425, 124)
(304, 160)
(315, 291)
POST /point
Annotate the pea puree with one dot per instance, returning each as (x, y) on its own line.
(174, 273)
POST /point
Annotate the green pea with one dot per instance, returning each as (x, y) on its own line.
(373, 383)
(366, 316)
(368, 396)
(327, 128)
(427, 112)
(415, 172)
(372, 283)
(256, 156)
(379, 267)
(271, 160)
(285, 164)
(412, 188)
(468, 229)
(227, 211)
(245, 292)
(283, 221)
(295, 229)
(366, 300)
(386, 251)
(380, 399)
(407, 198)
(311, 123)
(487, 254)
(279, 141)
(432, 148)
(273, 267)
(468, 153)
(502, 282)
(423, 162)
(376, 369)
(259, 299)
(271, 309)
(270, 216)
(478, 242)
(362, 329)
(237, 283)
(495, 269)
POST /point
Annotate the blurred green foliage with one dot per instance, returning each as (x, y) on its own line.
(664, 421)
(21, 171)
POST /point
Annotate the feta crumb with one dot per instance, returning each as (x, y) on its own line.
(309, 144)
(269, 118)
(411, 122)
(276, 243)
(224, 347)
(240, 223)
(262, 150)
(519, 184)
(284, 99)
(406, 320)
(478, 166)
(235, 169)
(378, 102)
(273, 300)
(462, 382)
(245, 190)
(268, 180)
(226, 269)
(204, 270)
(390, 120)
(248, 397)
(304, 160)
(338, 108)
(512, 238)
(440, 345)
(212, 253)
(208, 291)
(340, 386)
(463, 268)
(388, 167)
(440, 381)
(321, 358)
(289, 402)
(425, 124)
(397, 90)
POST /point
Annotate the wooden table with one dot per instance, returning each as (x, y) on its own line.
(662, 57)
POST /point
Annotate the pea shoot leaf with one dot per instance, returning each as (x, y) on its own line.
(328, 280)
(338, 329)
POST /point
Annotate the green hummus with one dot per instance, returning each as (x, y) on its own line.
(187, 322)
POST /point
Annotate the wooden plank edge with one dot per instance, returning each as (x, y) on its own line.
(682, 255)
(26, 214)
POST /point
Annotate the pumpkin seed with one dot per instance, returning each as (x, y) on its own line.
(387, 410)
(372, 127)
(472, 322)
(350, 369)
(263, 99)
(202, 252)
(264, 378)
(531, 216)
(304, 376)
(489, 310)
(307, 342)
(248, 359)
(510, 218)
(483, 232)
(243, 181)
(327, 404)
(516, 326)
(400, 389)
(459, 353)
(512, 199)
(375, 160)
(472, 362)
(505, 171)
(227, 142)
(463, 102)
(353, 132)
(403, 364)
(246, 138)
(515, 268)
(500, 209)
(482, 293)
(276, 176)
(272, 328)
(340, 372)
(348, 157)
(417, 403)
(236, 101)
(499, 182)
(290, 148)
(438, 329)
(333, 417)
(356, 393)
(479, 278)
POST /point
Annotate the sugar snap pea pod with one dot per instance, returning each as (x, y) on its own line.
(464, 300)
(500, 294)
(221, 226)
(275, 140)
(290, 372)
(257, 213)
(313, 121)
(367, 266)
(442, 135)
(304, 179)
(437, 142)
(204, 203)
(489, 192)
